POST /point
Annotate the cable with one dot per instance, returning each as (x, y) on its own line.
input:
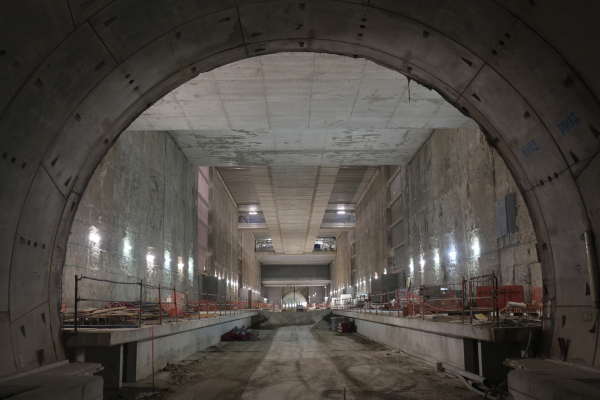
(597, 335)
(556, 175)
(106, 280)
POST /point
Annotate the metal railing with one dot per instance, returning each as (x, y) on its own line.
(473, 298)
(178, 304)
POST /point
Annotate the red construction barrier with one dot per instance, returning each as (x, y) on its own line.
(537, 296)
(505, 294)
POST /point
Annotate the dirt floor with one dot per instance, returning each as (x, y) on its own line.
(299, 362)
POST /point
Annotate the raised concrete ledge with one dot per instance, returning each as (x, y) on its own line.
(485, 333)
(477, 349)
(112, 337)
(64, 381)
(541, 379)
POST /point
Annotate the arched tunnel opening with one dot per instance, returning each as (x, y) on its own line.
(96, 88)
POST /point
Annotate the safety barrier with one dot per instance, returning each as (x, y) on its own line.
(468, 299)
(175, 303)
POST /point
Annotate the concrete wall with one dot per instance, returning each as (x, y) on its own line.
(426, 345)
(223, 258)
(230, 256)
(140, 202)
(341, 266)
(251, 271)
(371, 239)
(447, 204)
(442, 203)
(316, 294)
(179, 346)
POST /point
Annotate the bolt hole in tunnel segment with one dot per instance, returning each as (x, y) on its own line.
(67, 70)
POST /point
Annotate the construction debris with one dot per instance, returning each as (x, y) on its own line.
(240, 334)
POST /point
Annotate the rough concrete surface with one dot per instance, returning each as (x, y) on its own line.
(67, 98)
(302, 362)
(136, 221)
(442, 220)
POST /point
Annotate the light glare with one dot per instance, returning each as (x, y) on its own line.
(94, 238)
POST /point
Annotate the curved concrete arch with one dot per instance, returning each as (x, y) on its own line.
(293, 299)
(75, 73)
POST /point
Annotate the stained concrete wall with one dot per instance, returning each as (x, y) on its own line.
(449, 190)
(230, 256)
(251, 272)
(223, 258)
(371, 237)
(341, 266)
(442, 205)
(140, 202)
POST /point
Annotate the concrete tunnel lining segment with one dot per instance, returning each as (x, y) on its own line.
(76, 76)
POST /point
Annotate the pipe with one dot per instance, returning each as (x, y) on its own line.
(141, 296)
(470, 387)
(528, 344)
(593, 268)
(75, 323)
(469, 375)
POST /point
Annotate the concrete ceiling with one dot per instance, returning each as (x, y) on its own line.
(293, 199)
(347, 189)
(300, 109)
(294, 118)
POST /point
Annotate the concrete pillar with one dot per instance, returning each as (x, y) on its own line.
(130, 362)
(111, 359)
(492, 356)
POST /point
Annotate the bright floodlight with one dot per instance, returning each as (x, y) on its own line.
(341, 212)
(252, 213)
(150, 258)
(94, 238)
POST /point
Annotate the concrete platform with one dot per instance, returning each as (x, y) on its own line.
(477, 349)
(126, 354)
(65, 381)
(536, 378)
(477, 332)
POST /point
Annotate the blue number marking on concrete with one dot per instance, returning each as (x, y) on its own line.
(530, 148)
(569, 122)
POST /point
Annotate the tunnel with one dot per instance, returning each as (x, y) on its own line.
(75, 74)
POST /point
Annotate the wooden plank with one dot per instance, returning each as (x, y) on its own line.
(108, 310)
